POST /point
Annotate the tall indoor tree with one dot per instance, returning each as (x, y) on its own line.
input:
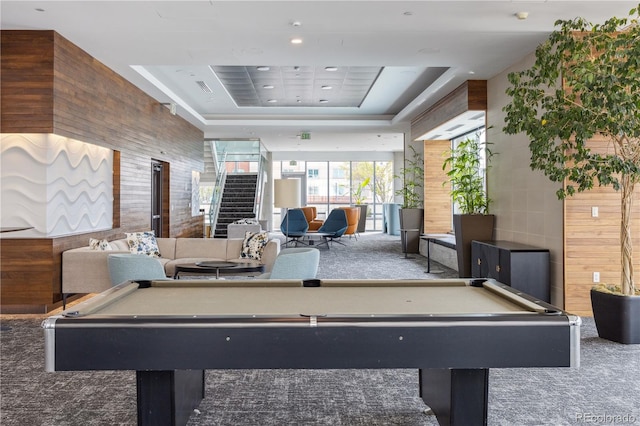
(585, 82)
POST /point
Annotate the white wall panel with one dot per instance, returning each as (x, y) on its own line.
(58, 186)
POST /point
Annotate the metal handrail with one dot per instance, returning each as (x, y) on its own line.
(260, 180)
(216, 198)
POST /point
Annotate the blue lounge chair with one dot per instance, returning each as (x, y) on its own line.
(334, 227)
(294, 226)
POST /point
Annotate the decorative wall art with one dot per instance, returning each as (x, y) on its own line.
(55, 185)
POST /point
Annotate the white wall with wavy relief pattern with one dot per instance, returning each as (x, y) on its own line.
(58, 186)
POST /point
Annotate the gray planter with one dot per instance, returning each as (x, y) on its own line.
(469, 227)
(411, 219)
(362, 222)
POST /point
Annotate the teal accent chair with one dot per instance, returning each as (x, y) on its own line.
(295, 264)
(125, 267)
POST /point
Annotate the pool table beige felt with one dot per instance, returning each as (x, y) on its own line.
(332, 298)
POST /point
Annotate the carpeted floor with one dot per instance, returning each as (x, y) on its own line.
(374, 255)
(607, 384)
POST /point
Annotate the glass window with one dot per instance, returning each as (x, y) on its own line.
(338, 172)
(480, 136)
(334, 184)
(339, 184)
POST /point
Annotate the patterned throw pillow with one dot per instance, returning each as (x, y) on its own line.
(102, 245)
(253, 245)
(143, 243)
(247, 221)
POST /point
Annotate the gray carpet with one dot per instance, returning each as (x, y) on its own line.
(374, 255)
(607, 384)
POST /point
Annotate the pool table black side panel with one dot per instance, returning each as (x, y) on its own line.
(456, 397)
(168, 397)
(199, 347)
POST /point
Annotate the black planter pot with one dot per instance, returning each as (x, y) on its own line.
(469, 227)
(362, 222)
(617, 317)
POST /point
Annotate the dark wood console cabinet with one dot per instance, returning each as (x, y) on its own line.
(520, 266)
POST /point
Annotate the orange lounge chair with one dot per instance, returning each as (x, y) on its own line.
(353, 216)
(310, 213)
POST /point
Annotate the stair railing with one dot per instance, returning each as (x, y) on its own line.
(260, 180)
(216, 198)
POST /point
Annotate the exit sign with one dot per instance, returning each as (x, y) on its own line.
(305, 135)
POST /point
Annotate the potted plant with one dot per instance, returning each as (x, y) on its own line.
(359, 201)
(466, 170)
(411, 211)
(584, 83)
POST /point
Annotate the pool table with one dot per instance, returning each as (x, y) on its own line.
(451, 331)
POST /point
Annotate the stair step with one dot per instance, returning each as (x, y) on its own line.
(238, 201)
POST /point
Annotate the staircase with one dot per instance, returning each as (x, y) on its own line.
(208, 177)
(237, 201)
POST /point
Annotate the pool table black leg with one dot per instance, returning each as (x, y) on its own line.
(456, 396)
(168, 398)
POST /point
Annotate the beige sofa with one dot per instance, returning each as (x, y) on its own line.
(86, 271)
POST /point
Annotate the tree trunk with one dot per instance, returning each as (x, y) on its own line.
(626, 243)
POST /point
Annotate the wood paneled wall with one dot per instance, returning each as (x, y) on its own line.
(437, 197)
(49, 85)
(469, 96)
(26, 100)
(592, 244)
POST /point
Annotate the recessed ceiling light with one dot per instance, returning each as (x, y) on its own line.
(39, 9)
(268, 86)
(296, 40)
(408, 13)
(331, 68)
(296, 24)
(522, 15)
(323, 101)
(272, 101)
(327, 87)
(263, 68)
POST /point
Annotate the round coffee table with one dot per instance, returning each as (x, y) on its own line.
(215, 268)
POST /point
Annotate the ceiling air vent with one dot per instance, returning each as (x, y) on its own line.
(204, 87)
